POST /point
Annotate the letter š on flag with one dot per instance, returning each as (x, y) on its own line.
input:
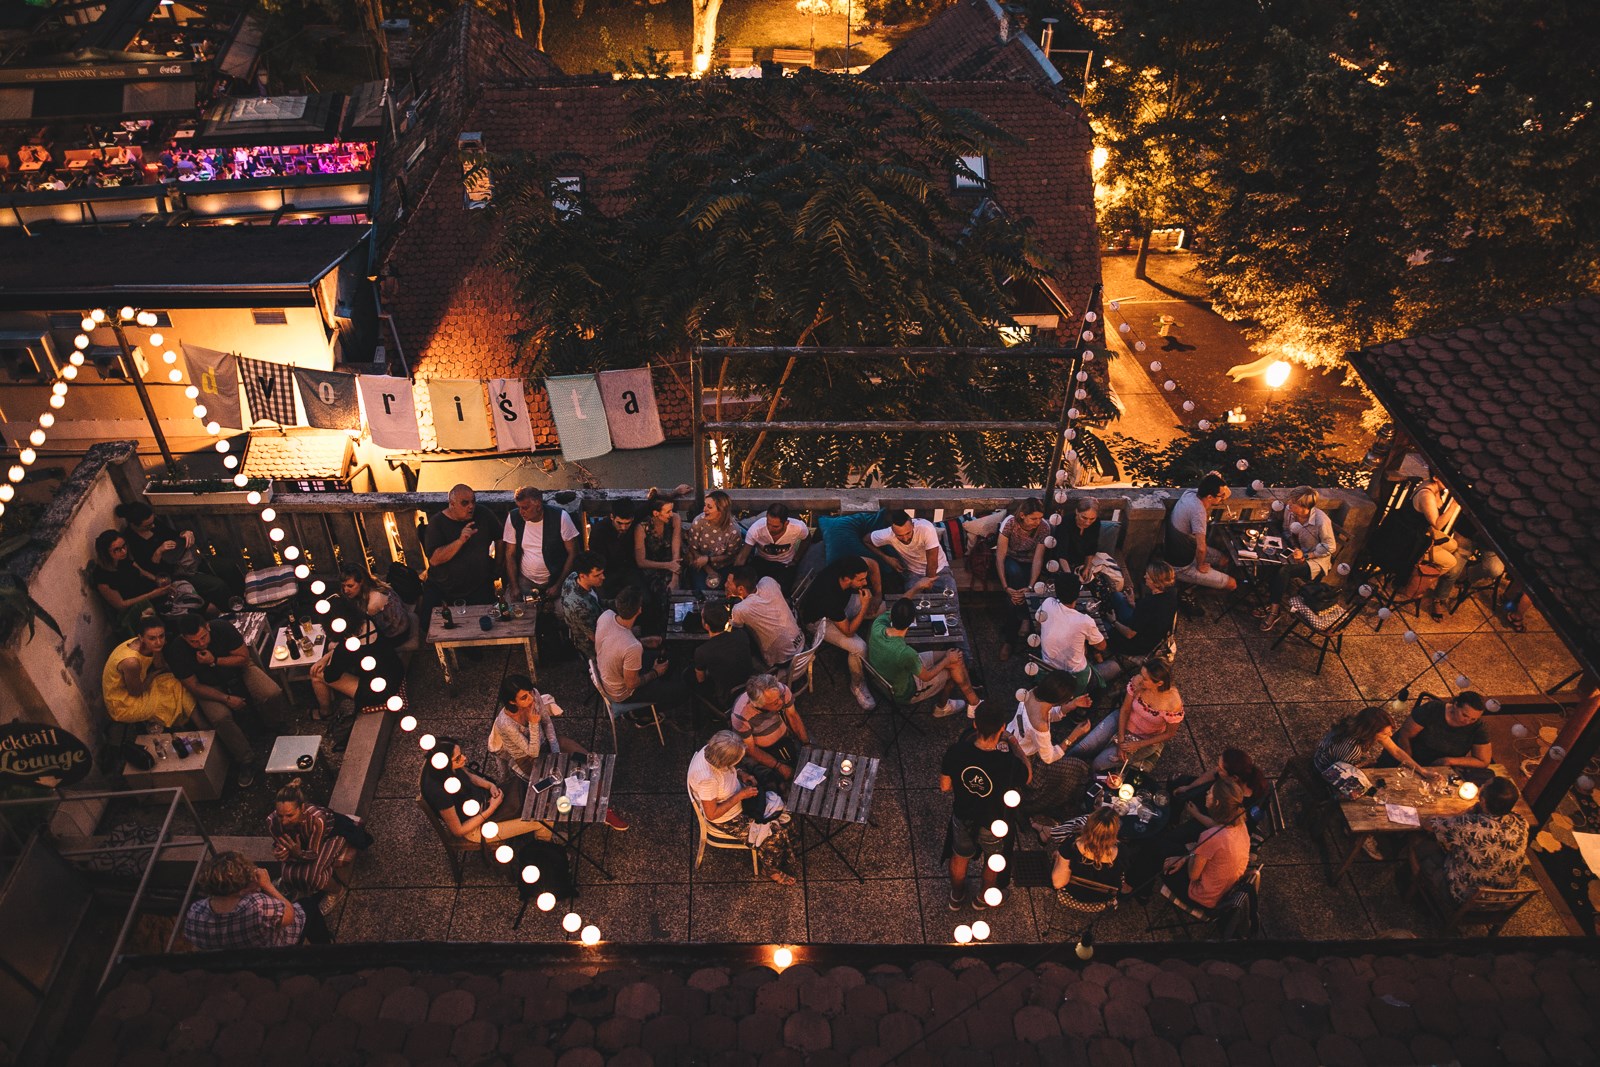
(508, 410)
(270, 389)
(391, 411)
(630, 397)
(329, 399)
(580, 416)
(460, 420)
(216, 376)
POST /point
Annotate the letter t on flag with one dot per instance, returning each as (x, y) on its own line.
(580, 416)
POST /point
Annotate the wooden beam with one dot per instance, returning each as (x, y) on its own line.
(785, 352)
(883, 427)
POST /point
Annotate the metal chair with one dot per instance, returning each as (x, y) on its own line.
(711, 834)
(615, 708)
(903, 715)
(1323, 630)
(802, 663)
(1484, 906)
(457, 848)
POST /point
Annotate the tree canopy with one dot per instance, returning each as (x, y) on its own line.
(810, 210)
(1360, 172)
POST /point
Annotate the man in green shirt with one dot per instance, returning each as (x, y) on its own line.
(917, 676)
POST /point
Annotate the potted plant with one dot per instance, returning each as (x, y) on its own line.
(206, 490)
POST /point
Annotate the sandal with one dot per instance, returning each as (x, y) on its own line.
(1436, 613)
(1515, 620)
(781, 878)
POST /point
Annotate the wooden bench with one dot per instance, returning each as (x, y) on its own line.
(673, 60)
(794, 57)
(736, 57)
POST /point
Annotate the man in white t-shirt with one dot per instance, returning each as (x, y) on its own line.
(620, 658)
(778, 543)
(916, 554)
(1066, 634)
(534, 562)
(766, 614)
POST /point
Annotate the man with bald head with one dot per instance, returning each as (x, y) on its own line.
(460, 545)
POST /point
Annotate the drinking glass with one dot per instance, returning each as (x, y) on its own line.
(460, 608)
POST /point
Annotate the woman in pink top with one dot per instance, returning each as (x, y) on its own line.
(1151, 713)
(1219, 859)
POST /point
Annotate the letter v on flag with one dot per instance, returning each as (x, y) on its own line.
(580, 416)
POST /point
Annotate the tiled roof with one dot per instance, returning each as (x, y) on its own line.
(297, 454)
(1490, 1007)
(1509, 414)
(964, 43)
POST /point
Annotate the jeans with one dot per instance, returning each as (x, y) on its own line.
(1017, 573)
(782, 573)
(1485, 568)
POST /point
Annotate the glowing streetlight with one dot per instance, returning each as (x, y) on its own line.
(1277, 374)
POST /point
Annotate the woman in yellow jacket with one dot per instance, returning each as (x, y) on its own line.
(136, 683)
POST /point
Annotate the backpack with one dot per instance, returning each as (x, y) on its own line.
(403, 580)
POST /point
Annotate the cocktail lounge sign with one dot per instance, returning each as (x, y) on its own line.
(41, 755)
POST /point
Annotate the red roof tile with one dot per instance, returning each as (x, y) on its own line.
(968, 41)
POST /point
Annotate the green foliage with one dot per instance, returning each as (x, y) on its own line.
(1361, 172)
(899, 12)
(804, 211)
(1285, 445)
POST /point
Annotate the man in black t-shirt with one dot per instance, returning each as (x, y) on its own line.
(838, 600)
(211, 661)
(1138, 628)
(1448, 735)
(725, 661)
(611, 537)
(977, 771)
(460, 544)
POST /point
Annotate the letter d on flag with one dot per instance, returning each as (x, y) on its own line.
(580, 416)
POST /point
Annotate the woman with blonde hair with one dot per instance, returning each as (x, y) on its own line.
(1308, 539)
(730, 799)
(1087, 873)
(714, 542)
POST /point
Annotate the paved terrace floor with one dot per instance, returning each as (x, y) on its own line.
(1238, 690)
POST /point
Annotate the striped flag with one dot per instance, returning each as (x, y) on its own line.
(580, 416)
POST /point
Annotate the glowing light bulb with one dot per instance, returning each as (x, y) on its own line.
(408, 723)
(490, 831)
(999, 828)
(427, 742)
(997, 863)
(47, 420)
(59, 389)
(591, 935)
(80, 342)
(169, 356)
(291, 552)
(980, 930)
(322, 606)
(782, 958)
(213, 427)
(192, 392)
(337, 624)
(1277, 374)
(546, 901)
(268, 514)
(368, 662)
(530, 874)
(125, 313)
(993, 897)
(145, 318)
(439, 760)
(16, 473)
(97, 315)
(1012, 798)
(200, 412)
(395, 703)
(351, 644)
(452, 784)
(963, 934)
(319, 587)
(7, 491)
(571, 921)
(27, 455)
(230, 462)
(504, 854)
(470, 807)
(1468, 791)
(1030, 669)
(380, 684)
(87, 324)
(70, 374)
(223, 445)
(156, 340)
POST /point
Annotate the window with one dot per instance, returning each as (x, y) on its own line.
(564, 194)
(972, 173)
(26, 356)
(270, 317)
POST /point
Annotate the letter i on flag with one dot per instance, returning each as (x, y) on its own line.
(580, 416)
(508, 410)
(459, 419)
(391, 411)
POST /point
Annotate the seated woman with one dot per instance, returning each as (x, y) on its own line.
(1019, 549)
(1084, 545)
(163, 550)
(378, 602)
(1057, 781)
(729, 800)
(1087, 871)
(766, 720)
(241, 908)
(713, 542)
(1360, 740)
(126, 588)
(1204, 873)
(658, 545)
(473, 803)
(312, 842)
(1139, 627)
(1151, 713)
(1308, 537)
(137, 685)
(1189, 793)
(523, 731)
(370, 674)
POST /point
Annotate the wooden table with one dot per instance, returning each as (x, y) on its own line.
(695, 602)
(845, 800)
(600, 768)
(1366, 816)
(921, 635)
(286, 669)
(200, 774)
(466, 633)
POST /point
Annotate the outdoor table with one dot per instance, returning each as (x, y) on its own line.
(468, 633)
(679, 605)
(1367, 815)
(287, 750)
(199, 774)
(921, 635)
(1249, 564)
(842, 799)
(599, 768)
(285, 669)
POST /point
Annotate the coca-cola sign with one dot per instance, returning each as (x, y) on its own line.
(42, 755)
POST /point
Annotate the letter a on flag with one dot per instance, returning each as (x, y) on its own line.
(391, 411)
(580, 416)
(508, 410)
(630, 397)
(216, 376)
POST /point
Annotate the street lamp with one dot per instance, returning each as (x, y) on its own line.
(1277, 374)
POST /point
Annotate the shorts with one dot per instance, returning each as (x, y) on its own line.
(968, 839)
(935, 684)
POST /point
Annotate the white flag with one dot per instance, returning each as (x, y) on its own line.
(391, 411)
(508, 410)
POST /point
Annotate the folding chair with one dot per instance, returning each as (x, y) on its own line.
(615, 708)
(902, 715)
(456, 848)
(1484, 906)
(718, 838)
(1323, 630)
(802, 663)
(1237, 905)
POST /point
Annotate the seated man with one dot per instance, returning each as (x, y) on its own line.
(1482, 848)
(611, 538)
(914, 554)
(766, 613)
(579, 606)
(1448, 735)
(536, 563)
(917, 676)
(137, 684)
(212, 662)
(768, 723)
(241, 908)
(724, 662)
(1198, 562)
(621, 660)
(1141, 626)
(1066, 634)
(838, 600)
(779, 542)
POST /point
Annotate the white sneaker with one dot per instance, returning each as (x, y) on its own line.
(949, 708)
(863, 697)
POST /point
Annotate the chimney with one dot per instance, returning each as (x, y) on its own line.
(1014, 22)
(1047, 35)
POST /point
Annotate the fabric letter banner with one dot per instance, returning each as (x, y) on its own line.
(329, 398)
(391, 411)
(216, 375)
(508, 410)
(270, 389)
(630, 397)
(459, 418)
(580, 418)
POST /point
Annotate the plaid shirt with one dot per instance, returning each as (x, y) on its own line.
(257, 922)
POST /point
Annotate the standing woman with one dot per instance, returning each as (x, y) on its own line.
(523, 731)
(1056, 779)
(1020, 550)
(658, 543)
(312, 842)
(714, 542)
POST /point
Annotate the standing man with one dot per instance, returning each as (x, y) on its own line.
(838, 601)
(916, 554)
(778, 543)
(1197, 562)
(460, 548)
(536, 563)
(976, 773)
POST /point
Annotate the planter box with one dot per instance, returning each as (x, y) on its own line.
(180, 497)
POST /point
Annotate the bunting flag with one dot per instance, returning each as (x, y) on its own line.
(630, 399)
(216, 376)
(329, 399)
(508, 409)
(270, 389)
(459, 418)
(391, 411)
(580, 417)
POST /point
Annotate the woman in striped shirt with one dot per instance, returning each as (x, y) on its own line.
(307, 842)
(1360, 739)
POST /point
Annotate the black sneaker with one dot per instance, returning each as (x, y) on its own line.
(957, 901)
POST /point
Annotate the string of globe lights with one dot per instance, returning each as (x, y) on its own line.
(978, 930)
